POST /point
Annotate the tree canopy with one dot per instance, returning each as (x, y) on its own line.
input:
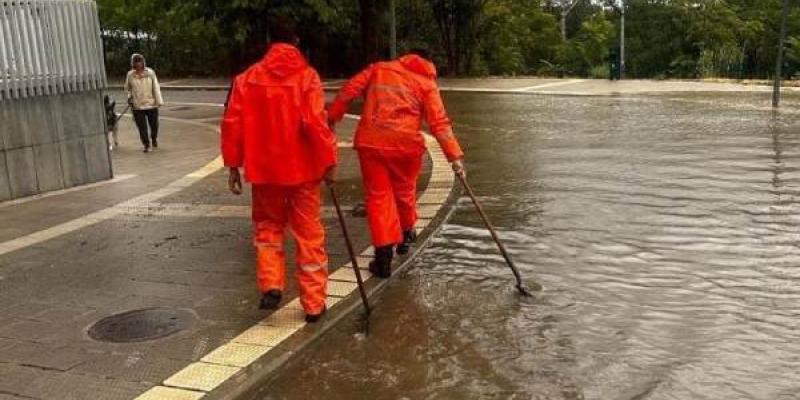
(664, 38)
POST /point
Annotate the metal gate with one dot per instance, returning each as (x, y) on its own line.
(49, 47)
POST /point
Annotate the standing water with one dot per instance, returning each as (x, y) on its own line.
(664, 230)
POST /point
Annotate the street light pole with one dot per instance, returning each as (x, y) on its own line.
(622, 41)
(776, 92)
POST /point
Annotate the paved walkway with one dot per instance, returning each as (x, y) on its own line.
(164, 234)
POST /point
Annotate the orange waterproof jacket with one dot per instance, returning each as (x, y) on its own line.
(398, 95)
(275, 124)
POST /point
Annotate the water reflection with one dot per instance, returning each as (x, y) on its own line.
(663, 229)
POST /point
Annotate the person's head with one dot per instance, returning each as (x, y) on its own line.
(282, 31)
(137, 62)
(424, 53)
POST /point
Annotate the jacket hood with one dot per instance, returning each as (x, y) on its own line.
(283, 60)
(419, 65)
(135, 55)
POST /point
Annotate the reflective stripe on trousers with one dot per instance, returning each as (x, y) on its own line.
(390, 188)
(276, 208)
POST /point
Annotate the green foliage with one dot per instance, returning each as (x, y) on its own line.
(664, 38)
(590, 47)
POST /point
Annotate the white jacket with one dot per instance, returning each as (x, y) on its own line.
(144, 89)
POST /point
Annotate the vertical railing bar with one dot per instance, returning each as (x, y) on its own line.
(46, 32)
(58, 50)
(25, 33)
(59, 55)
(44, 78)
(76, 40)
(19, 59)
(5, 68)
(97, 40)
(36, 46)
(33, 37)
(88, 30)
(76, 28)
(63, 46)
(91, 37)
(101, 64)
(73, 55)
(12, 58)
(50, 48)
(18, 54)
(85, 57)
(69, 47)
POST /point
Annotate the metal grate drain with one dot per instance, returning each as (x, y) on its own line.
(141, 325)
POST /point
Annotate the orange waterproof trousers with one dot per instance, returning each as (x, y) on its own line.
(297, 207)
(390, 188)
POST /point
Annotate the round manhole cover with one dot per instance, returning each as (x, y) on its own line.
(141, 325)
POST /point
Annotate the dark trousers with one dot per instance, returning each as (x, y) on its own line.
(144, 118)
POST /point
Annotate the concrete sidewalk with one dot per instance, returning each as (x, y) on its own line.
(164, 235)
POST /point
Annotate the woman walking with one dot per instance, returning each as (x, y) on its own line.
(144, 96)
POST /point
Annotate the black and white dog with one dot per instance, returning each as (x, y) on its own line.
(112, 119)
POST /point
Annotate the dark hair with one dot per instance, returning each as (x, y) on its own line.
(424, 53)
(281, 30)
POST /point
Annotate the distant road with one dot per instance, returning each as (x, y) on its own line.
(542, 86)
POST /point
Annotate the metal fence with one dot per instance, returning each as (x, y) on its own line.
(49, 47)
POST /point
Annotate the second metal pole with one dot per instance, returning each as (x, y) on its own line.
(776, 90)
(353, 258)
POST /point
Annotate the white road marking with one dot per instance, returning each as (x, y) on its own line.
(547, 85)
(194, 104)
(110, 212)
(187, 210)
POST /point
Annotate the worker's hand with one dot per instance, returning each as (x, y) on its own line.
(235, 181)
(330, 175)
(458, 167)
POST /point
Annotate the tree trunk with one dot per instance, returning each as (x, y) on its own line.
(371, 29)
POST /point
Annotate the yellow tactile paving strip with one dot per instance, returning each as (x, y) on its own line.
(236, 354)
(167, 393)
(243, 350)
(201, 376)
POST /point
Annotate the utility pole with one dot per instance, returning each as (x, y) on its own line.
(392, 30)
(622, 40)
(776, 92)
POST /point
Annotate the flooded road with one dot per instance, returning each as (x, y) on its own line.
(664, 230)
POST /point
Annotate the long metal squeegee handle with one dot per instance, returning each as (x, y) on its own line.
(492, 231)
(353, 258)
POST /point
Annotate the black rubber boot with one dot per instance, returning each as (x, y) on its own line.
(311, 318)
(409, 237)
(271, 299)
(381, 266)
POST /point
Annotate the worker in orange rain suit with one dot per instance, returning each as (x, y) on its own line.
(390, 145)
(275, 127)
